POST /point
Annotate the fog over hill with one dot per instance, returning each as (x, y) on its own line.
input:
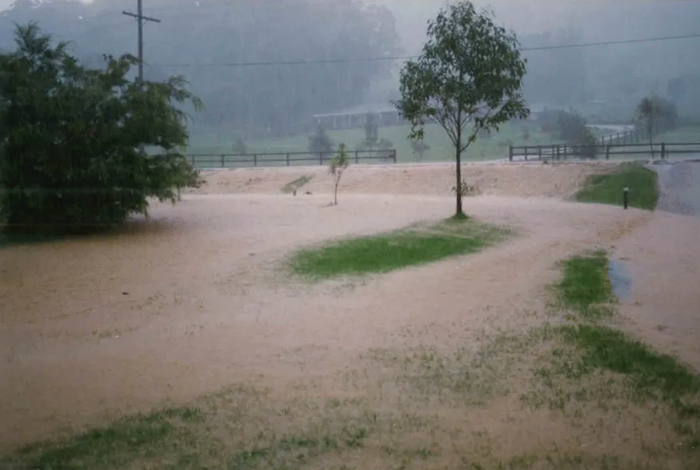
(243, 57)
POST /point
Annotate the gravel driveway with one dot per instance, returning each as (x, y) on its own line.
(679, 184)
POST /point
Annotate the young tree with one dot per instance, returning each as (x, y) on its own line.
(655, 115)
(320, 142)
(419, 148)
(69, 151)
(338, 165)
(371, 129)
(240, 147)
(573, 128)
(468, 77)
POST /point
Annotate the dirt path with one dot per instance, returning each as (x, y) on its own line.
(664, 261)
(680, 188)
(193, 301)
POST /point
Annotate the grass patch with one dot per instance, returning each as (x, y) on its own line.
(652, 372)
(396, 250)
(585, 285)
(235, 429)
(608, 188)
(117, 445)
(296, 184)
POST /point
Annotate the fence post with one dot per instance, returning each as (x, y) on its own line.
(510, 153)
(663, 151)
(558, 152)
(357, 157)
(607, 152)
(223, 165)
(526, 153)
(287, 158)
(255, 159)
(320, 158)
(194, 160)
(539, 148)
(566, 149)
(394, 153)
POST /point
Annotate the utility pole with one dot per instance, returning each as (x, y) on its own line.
(139, 16)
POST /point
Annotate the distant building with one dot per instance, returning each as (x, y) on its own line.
(385, 115)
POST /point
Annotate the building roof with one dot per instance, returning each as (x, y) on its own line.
(361, 110)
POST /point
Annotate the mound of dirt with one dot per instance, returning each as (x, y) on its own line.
(516, 180)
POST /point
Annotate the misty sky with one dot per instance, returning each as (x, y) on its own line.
(616, 74)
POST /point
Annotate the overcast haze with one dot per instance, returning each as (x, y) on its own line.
(280, 99)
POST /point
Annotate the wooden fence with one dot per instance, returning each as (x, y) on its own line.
(215, 161)
(608, 151)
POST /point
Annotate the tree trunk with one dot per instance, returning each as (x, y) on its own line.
(335, 194)
(458, 159)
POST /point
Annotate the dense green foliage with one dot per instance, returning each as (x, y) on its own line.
(608, 188)
(70, 138)
(468, 78)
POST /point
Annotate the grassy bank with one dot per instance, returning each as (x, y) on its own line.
(395, 250)
(608, 188)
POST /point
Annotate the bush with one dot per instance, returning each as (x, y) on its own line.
(69, 156)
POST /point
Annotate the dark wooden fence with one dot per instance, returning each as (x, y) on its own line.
(608, 151)
(214, 161)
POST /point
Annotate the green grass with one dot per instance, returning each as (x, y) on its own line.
(608, 188)
(114, 446)
(395, 250)
(585, 285)
(196, 438)
(441, 149)
(651, 372)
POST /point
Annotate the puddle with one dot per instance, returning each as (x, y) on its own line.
(620, 279)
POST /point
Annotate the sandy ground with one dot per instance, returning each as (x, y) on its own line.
(517, 180)
(194, 299)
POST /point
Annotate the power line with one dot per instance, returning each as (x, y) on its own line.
(396, 58)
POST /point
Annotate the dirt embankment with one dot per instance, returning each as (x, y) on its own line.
(515, 180)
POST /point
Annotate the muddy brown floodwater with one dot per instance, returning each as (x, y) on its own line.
(194, 299)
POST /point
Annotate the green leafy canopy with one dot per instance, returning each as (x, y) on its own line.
(70, 138)
(469, 73)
